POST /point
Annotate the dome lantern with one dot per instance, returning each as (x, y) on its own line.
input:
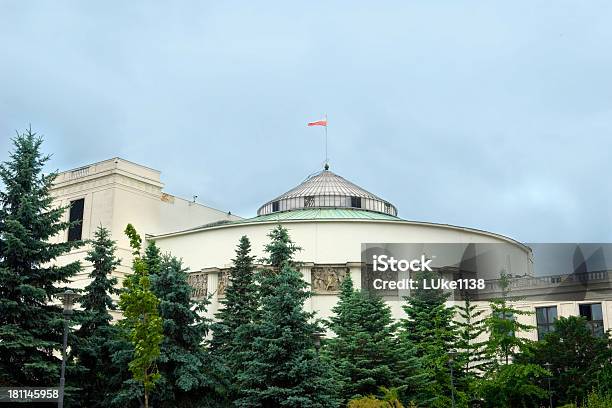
(327, 190)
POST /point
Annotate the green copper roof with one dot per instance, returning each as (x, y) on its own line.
(321, 214)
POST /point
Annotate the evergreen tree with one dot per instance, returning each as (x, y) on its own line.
(186, 367)
(31, 325)
(503, 326)
(365, 352)
(282, 366)
(141, 319)
(232, 332)
(470, 344)
(429, 327)
(92, 348)
(471, 356)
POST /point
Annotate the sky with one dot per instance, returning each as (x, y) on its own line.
(493, 115)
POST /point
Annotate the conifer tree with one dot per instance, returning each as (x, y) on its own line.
(141, 318)
(364, 351)
(232, 332)
(471, 356)
(282, 366)
(429, 328)
(30, 323)
(470, 345)
(188, 373)
(92, 349)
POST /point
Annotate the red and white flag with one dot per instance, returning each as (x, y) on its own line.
(322, 122)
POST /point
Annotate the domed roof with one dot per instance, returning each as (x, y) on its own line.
(327, 190)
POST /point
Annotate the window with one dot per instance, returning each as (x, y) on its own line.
(545, 318)
(309, 201)
(275, 206)
(355, 202)
(594, 316)
(75, 231)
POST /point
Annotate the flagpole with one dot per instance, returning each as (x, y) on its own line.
(326, 157)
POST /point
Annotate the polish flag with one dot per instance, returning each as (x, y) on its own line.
(322, 122)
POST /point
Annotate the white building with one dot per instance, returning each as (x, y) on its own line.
(327, 216)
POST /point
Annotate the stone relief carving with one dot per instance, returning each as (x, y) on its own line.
(199, 284)
(223, 282)
(327, 279)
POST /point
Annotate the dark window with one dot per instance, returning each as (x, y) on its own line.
(594, 316)
(545, 317)
(356, 202)
(309, 201)
(275, 206)
(75, 231)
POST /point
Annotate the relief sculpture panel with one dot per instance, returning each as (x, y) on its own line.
(199, 284)
(327, 279)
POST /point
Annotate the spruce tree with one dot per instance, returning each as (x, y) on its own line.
(232, 332)
(188, 372)
(31, 323)
(430, 329)
(141, 319)
(282, 366)
(93, 347)
(364, 351)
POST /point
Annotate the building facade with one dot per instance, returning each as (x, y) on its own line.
(327, 216)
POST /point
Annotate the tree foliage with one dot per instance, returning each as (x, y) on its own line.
(232, 332)
(514, 386)
(92, 348)
(141, 317)
(365, 352)
(188, 373)
(31, 325)
(282, 368)
(578, 360)
(430, 329)
(503, 326)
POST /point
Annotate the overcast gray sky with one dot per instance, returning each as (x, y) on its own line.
(493, 115)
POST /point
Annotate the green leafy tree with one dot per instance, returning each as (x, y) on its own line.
(140, 309)
(598, 400)
(31, 323)
(429, 327)
(503, 326)
(514, 386)
(232, 332)
(578, 360)
(92, 348)
(282, 368)
(364, 352)
(188, 372)
(506, 384)
(390, 399)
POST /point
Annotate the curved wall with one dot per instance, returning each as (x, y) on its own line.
(336, 242)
